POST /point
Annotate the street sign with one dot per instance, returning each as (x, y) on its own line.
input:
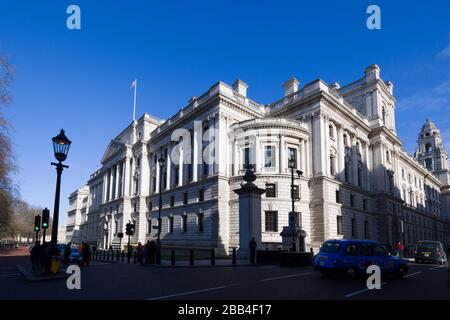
(120, 235)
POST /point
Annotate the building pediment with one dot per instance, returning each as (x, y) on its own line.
(113, 148)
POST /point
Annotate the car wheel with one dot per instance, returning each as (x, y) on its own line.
(352, 273)
(401, 271)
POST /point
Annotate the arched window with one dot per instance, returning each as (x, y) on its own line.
(428, 148)
(331, 131)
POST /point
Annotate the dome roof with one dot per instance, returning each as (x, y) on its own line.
(430, 128)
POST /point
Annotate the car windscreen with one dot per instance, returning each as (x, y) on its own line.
(330, 247)
(427, 245)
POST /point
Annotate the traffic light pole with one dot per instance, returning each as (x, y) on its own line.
(128, 250)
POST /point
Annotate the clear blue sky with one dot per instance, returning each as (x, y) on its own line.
(80, 80)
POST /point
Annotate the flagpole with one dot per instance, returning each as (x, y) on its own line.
(134, 103)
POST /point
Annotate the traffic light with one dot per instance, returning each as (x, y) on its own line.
(37, 223)
(45, 218)
(129, 230)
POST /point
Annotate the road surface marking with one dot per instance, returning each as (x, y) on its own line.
(289, 276)
(412, 274)
(361, 291)
(9, 274)
(435, 267)
(186, 293)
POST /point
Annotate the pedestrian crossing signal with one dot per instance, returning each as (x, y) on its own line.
(45, 218)
(37, 223)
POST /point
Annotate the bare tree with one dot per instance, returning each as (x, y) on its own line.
(7, 166)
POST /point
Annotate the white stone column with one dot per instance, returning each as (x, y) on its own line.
(283, 154)
(117, 181)
(303, 157)
(105, 187)
(197, 150)
(144, 172)
(180, 166)
(259, 155)
(158, 175)
(211, 141)
(367, 166)
(168, 167)
(326, 152)
(354, 162)
(340, 154)
(111, 177)
(236, 163)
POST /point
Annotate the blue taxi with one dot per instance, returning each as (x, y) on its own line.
(352, 257)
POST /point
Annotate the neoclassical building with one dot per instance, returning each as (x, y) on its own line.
(357, 180)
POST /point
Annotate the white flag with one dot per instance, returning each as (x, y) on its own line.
(133, 84)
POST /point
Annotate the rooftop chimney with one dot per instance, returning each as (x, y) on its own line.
(290, 86)
(240, 87)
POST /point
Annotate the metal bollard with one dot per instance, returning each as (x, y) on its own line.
(117, 254)
(213, 257)
(123, 255)
(172, 258)
(234, 256)
(191, 257)
(104, 255)
(128, 255)
(107, 256)
(134, 257)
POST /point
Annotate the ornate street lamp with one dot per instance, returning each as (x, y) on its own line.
(161, 163)
(292, 165)
(61, 146)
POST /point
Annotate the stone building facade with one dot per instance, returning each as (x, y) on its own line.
(357, 180)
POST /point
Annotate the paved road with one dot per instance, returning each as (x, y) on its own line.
(121, 281)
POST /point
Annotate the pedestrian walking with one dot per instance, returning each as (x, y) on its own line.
(147, 252)
(67, 252)
(87, 254)
(252, 246)
(140, 253)
(152, 252)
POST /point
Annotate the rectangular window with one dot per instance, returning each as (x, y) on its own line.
(150, 206)
(149, 226)
(271, 190)
(339, 224)
(170, 224)
(354, 228)
(292, 155)
(364, 204)
(246, 157)
(332, 165)
(172, 201)
(185, 198)
(352, 200)
(201, 194)
(201, 222)
(184, 223)
(271, 221)
(269, 156)
(338, 196)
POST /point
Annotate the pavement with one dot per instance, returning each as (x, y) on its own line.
(103, 280)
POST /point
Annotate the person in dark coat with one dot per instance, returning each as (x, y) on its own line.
(252, 246)
(87, 254)
(152, 252)
(35, 259)
(67, 252)
(147, 252)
